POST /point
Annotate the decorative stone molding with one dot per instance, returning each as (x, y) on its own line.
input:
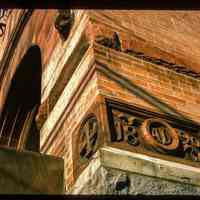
(125, 128)
(113, 124)
(87, 141)
(114, 43)
(63, 22)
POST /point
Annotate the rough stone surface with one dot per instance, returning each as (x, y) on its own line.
(107, 181)
(30, 173)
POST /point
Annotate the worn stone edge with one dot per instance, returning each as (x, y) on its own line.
(136, 163)
(87, 173)
(149, 166)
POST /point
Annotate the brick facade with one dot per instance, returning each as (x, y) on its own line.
(80, 73)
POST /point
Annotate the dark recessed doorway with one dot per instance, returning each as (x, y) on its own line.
(17, 123)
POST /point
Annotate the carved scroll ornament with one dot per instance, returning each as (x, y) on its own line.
(190, 145)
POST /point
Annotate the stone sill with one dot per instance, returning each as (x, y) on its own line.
(137, 163)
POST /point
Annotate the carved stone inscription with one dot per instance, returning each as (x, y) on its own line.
(159, 135)
(190, 145)
(125, 128)
(88, 138)
(154, 134)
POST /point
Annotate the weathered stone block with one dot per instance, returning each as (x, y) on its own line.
(30, 173)
(107, 174)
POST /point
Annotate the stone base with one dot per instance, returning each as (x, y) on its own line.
(30, 173)
(120, 182)
(107, 174)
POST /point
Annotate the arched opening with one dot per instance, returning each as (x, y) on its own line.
(17, 123)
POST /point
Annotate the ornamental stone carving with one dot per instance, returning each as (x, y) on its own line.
(151, 132)
(125, 128)
(190, 145)
(159, 135)
(88, 138)
(113, 42)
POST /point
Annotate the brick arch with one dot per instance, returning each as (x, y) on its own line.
(17, 123)
(31, 30)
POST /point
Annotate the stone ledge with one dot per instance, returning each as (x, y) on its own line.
(142, 164)
(134, 163)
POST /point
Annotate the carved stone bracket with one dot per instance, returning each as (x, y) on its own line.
(148, 132)
(88, 138)
(63, 22)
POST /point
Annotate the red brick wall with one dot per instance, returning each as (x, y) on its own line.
(136, 31)
(73, 119)
(172, 35)
(178, 91)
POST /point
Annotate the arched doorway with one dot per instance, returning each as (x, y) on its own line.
(17, 123)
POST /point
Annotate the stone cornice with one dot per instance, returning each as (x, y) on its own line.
(179, 69)
(102, 19)
(101, 49)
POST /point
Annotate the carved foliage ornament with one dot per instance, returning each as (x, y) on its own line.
(154, 134)
(88, 138)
